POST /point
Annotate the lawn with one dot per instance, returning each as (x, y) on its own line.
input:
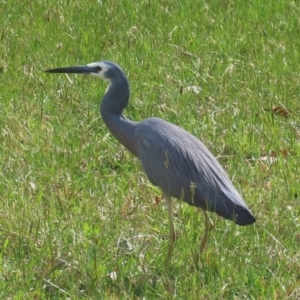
(79, 219)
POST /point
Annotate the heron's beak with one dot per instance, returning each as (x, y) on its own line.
(77, 70)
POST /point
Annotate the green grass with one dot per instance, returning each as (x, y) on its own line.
(78, 217)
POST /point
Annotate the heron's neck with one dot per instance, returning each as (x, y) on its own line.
(112, 105)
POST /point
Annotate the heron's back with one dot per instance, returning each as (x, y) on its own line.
(182, 166)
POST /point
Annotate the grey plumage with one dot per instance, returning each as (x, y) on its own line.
(173, 159)
(181, 165)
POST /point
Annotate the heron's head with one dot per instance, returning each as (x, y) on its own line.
(106, 70)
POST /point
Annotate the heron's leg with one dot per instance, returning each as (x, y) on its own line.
(209, 225)
(172, 231)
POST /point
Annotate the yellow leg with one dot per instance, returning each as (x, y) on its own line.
(172, 231)
(209, 225)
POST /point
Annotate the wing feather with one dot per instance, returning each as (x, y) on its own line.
(182, 166)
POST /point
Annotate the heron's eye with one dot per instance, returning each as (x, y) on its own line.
(98, 68)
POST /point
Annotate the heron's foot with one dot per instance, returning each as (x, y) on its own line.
(169, 256)
(173, 237)
(202, 247)
(203, 243)
(167, 261)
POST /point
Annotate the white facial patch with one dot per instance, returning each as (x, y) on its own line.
(104, 68)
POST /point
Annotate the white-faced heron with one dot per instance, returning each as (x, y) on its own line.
(173, 159)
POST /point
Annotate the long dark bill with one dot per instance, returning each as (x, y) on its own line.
(77, 70)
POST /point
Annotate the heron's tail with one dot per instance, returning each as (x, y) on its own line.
(243, 217)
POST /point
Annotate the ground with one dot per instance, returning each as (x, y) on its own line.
(78, 216)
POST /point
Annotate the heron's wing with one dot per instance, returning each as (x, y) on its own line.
(182, 166)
